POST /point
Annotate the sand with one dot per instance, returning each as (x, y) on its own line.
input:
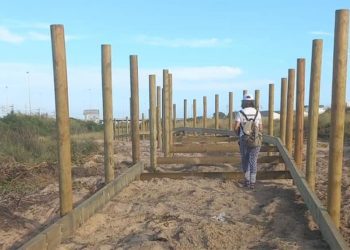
(194, 213)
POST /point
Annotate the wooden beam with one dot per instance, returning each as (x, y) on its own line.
(319, 213)
(134, 109)
(62, 118)
(206, 131)
(314, 101)
(108, 112)
(264, 175)
(205, 139)
(214, 160)
(208, 148)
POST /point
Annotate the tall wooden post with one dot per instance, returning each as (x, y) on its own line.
(230, 110)
(283, 110)
(163, 116)
(159, 120)
(166, 108)
(216, 111)
(62, 118)
(340, 55)
(271, 108)
(185, 113)
(204, 111)
(194, 113)
(290, 110)
(170, 109)
(153, 121)
(174, 116)
(299, 122)
(135, 131)
(107, 112)
(314, 100)
(257, 99)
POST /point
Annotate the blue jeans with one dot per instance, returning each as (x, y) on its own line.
(249, 162)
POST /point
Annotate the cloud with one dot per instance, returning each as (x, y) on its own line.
(321, 33)
(28, 32)
(10, 37)
(37, 36)
(181, 42)
(206, 73)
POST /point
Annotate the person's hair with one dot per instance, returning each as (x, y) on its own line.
(248, 104)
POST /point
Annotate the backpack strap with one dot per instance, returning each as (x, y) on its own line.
(256, 115)
(245, 116)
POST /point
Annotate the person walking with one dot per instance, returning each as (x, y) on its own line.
(249, 149)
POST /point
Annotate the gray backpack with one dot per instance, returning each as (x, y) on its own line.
(251, 134)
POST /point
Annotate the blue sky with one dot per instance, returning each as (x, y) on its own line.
(211, 47)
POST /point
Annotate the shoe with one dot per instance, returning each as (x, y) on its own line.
(246, 183)
(252, 185)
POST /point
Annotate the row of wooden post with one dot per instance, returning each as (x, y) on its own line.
(287, 113)
(62, 116)
(337, 113)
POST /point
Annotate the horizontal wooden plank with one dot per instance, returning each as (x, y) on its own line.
(209, 148)
(206, 131)
(329, 231)
(263, 175)
(204, 139)
(213, 160)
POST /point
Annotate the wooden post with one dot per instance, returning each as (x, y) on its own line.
(159, 120)
(257, 99)
(135, 131)
(62, 118)
(185, 113)
(290, 110)
(166, 143)
(153, 121)
(107, 112)
(194, 113)
(204, 111)
(114, 130)
(170, 108)
(271, 108)
(118, 130)
(127, 126)
(230, 110)
(283, 110)
(340, 55)
(314, 100)
(245, 92)
(174, 115)
(299, 121)
(143, 125)
(163, 117)
(216, 111)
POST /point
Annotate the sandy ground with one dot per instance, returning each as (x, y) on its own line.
(180, 214)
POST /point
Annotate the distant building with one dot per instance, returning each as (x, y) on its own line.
(321, 109)
(276, 115)
(92, 115)
(348, 104)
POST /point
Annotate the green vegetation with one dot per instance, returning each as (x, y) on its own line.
(32, 139)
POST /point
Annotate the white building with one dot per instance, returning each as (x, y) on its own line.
(321, 109)
(92, 115)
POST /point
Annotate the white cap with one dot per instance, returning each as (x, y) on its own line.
(248, 97)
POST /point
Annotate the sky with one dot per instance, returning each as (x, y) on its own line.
(210, 47)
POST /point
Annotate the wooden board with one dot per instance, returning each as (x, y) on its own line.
(264, 175)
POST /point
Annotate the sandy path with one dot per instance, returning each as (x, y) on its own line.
(199, 214)
(168, 213)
